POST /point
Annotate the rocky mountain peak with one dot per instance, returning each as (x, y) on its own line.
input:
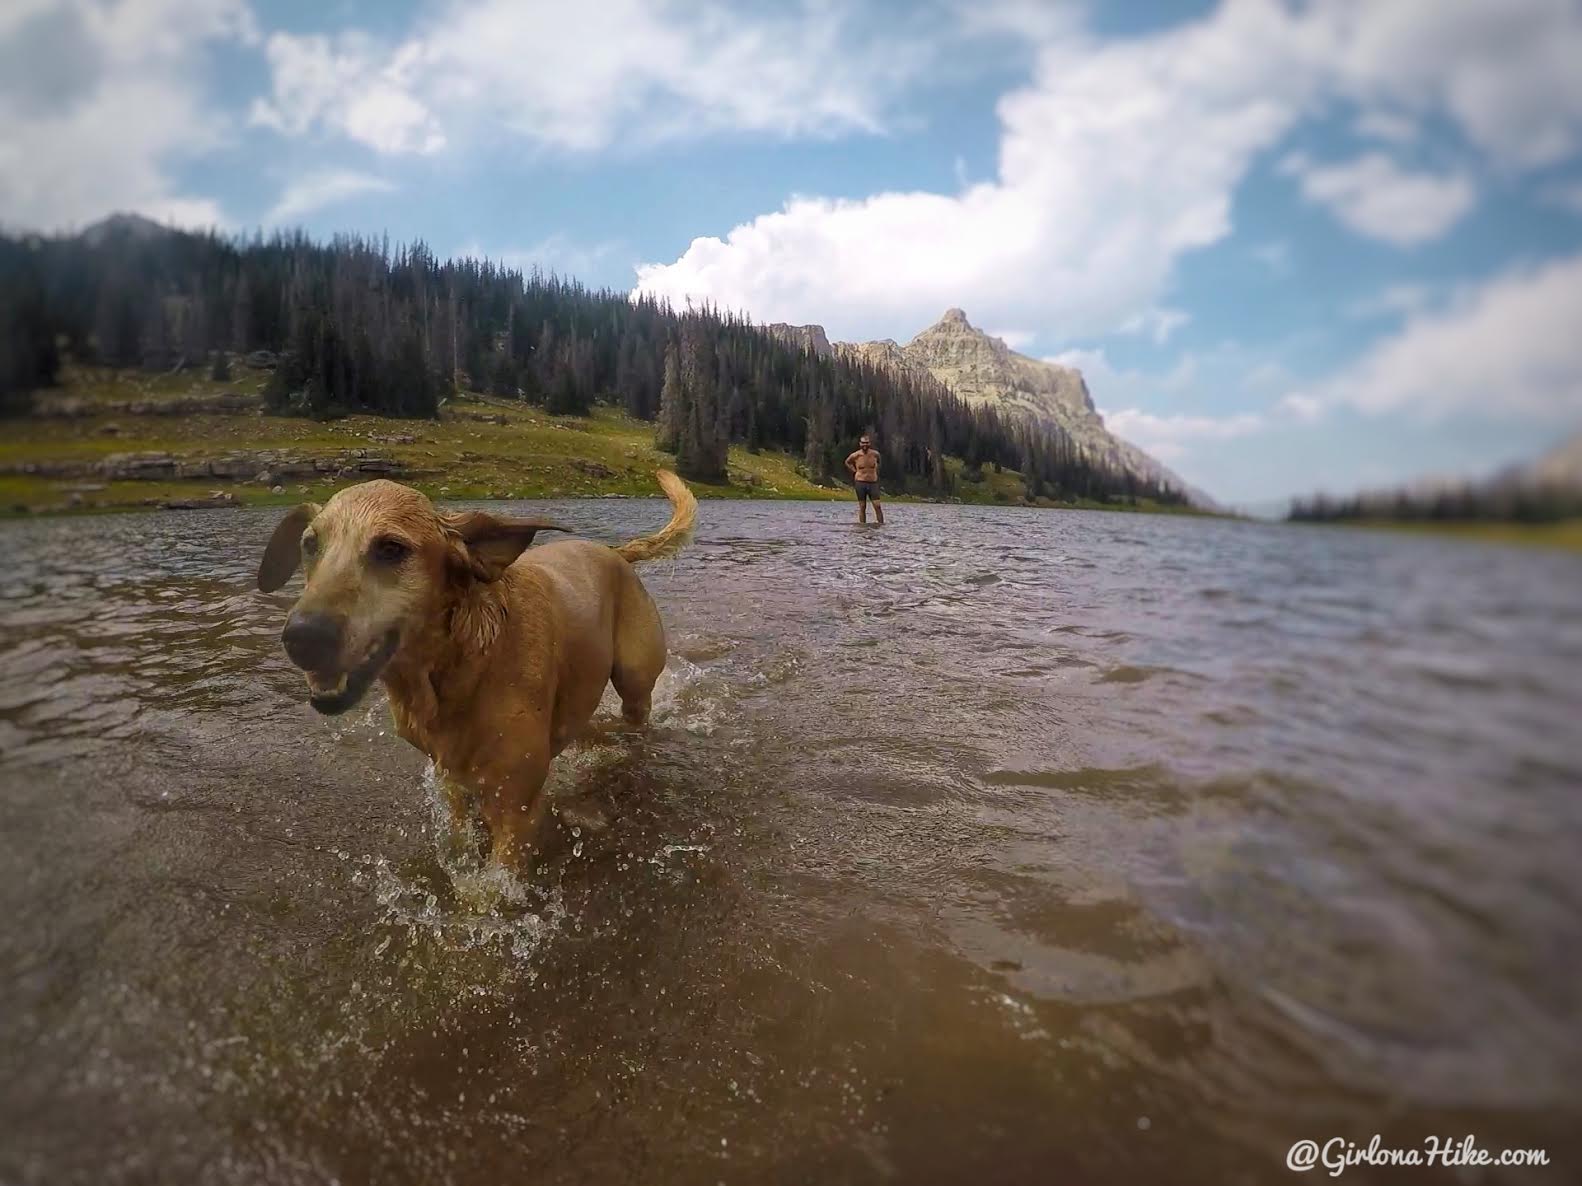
(980, 369)
(961, 335)
(984, 371)
(1561, 466)
(123, 225)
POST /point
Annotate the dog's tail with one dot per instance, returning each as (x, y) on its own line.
(673, 536)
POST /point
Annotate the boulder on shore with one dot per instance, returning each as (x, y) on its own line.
(216, 498)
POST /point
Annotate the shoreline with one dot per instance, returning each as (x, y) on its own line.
(188, 499)
(1564, 535)
(119, 442)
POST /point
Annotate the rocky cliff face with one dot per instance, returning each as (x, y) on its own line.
(884, 353)
(984, 371)
(803, 337)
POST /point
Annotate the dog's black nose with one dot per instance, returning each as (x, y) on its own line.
(313, 641)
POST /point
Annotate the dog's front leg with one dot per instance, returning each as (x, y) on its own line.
(515, 808)
(461, 803)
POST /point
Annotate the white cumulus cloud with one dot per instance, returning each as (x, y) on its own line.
(99, 102)
(1505, 350)
(1376, 197)
(1504, 72)
(1117, 158)
(324, 187)
(1169, 437)
(349, 86)
(1304, 408)
(1122, 155)
(1389, 126)
(583, 77)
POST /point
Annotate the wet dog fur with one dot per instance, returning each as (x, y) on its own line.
(494, 656)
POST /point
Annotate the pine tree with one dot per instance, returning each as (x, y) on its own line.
(754, 431)
(117, 327)
(672, 404)
(701, 454)
(820, 436)
(546, 357)
(502, 380)
(29, 358)
(564, 398)
(1028, 465)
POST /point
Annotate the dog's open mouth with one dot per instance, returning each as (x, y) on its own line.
(332, 694)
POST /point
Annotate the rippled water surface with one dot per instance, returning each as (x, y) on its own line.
(994, 846)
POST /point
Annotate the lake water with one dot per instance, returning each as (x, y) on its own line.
(993, 846)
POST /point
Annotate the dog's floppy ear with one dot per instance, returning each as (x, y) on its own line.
(284, 551)
(491, 543)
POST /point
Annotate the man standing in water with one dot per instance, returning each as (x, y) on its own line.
(864, 467)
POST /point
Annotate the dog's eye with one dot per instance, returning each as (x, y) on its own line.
(310, 545)
(389, 551)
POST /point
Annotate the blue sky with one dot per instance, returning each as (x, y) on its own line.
(1292, 246)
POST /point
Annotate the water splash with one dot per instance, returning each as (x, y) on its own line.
(481, 906)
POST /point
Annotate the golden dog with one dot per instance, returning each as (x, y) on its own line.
(494, 660)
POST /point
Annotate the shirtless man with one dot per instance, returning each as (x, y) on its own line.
(864, 466)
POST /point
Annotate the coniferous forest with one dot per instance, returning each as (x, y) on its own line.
(1508, 500)
(356, 325)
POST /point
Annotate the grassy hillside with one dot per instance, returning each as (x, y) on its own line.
(481, 447)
